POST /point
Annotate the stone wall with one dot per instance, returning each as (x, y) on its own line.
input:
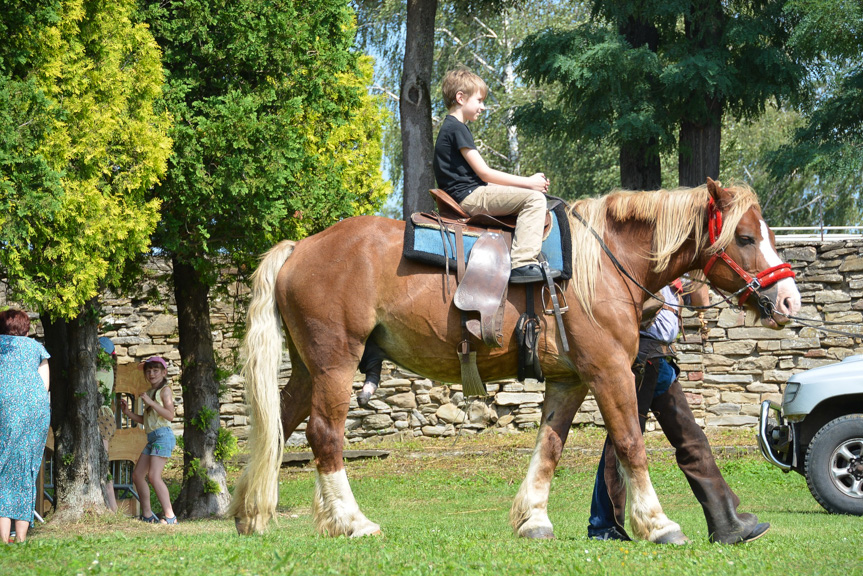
(726, 377)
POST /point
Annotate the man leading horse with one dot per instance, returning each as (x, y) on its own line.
(660, 392)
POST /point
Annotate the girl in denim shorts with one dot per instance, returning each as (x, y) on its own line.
(158, 413)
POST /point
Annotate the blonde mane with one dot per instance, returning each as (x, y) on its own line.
(674, 215)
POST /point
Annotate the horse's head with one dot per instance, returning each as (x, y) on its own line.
(743, 260)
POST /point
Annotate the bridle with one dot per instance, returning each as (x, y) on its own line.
(763, 279)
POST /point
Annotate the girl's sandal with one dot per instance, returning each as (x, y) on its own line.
(170, 521)
(151, 520)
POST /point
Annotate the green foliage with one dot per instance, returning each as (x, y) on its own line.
(104, 361)
(603, 83)
(196, 470)
(634, 72)
(825, 156)
(790, 195)
(204, 418)
(29, 184)
(226, 445)
(107, 394)
(86, 145)
(275, 133)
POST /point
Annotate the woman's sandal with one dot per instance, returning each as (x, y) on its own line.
(153, 519)
(172, 520)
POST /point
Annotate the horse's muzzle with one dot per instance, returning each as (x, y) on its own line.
(778, 303)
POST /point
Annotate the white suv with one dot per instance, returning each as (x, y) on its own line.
(818, 432)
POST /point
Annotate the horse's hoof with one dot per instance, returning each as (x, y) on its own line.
(757, 532)
(538, 533)
(674, 537)
(371, 529)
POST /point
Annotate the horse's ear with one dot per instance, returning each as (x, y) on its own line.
(719, 194)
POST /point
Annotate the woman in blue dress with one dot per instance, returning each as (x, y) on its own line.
(24, 419)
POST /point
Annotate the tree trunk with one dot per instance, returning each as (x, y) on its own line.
(80, 461)
(415, 106)
(205, 491)
(640, 168)
(508, 89)
(699, 151)
(701, 130)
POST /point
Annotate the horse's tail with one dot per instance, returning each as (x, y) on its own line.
(256, 493)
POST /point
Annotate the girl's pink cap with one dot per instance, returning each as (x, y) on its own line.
(155, 359)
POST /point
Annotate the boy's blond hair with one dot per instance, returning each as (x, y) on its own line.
(461, 80)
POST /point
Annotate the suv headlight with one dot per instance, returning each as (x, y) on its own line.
(791, 390)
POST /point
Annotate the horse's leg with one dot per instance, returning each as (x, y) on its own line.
(618, 406)
(296, 396)
(336, 511)
(529, 513)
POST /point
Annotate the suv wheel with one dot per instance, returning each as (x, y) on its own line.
(834, 465)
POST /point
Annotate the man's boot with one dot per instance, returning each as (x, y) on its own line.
(695, 459)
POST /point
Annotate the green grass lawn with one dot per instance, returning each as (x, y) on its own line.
(443, 507)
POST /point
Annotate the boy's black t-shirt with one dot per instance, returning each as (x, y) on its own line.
(452, 172)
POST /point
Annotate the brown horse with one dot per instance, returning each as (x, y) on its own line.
(335, 290)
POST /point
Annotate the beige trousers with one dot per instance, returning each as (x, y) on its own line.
(530, 206)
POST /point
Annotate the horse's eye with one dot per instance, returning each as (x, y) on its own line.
(745, 240)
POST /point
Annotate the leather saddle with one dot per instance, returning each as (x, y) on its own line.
(483, 288)
(484, 279)
(451, 213)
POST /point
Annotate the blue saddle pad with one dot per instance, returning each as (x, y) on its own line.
(424, 243)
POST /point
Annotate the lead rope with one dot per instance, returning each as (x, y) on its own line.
(807, 322)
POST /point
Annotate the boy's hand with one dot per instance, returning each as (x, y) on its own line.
(538, 182)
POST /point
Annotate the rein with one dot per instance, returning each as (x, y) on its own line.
(808, 323)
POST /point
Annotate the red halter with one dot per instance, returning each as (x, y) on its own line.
(763, 279)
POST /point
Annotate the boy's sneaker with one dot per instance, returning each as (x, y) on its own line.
(363, 398)
(530, 273)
